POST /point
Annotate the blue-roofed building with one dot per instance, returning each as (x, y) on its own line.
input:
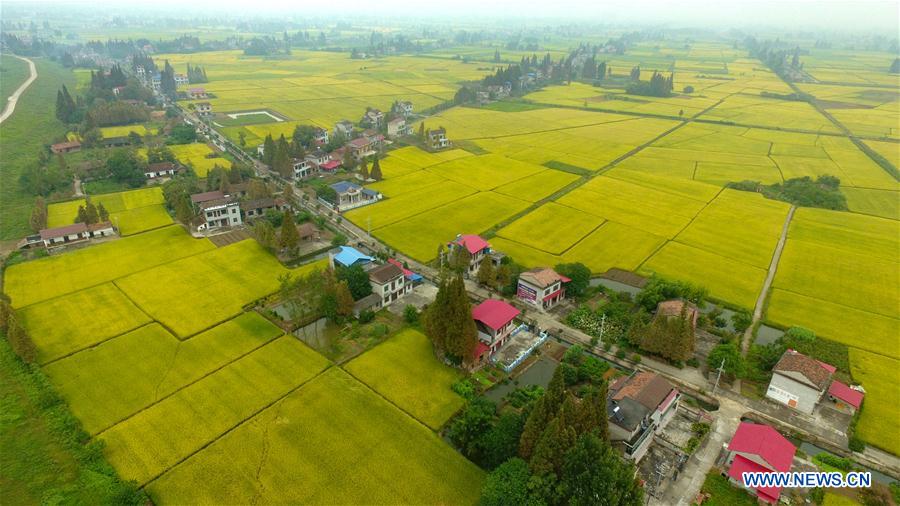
(349, 195)
(348, 257)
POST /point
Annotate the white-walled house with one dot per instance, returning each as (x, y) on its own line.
(542, 287)
(639, 407)
(799, 381)
(389, 282)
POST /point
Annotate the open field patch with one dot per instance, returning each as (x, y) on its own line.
(880, 376)
(147, 365)
(333, 441)
(420, 235)
(142, 447)
(131, 211)
(726, 279)
(614, 245)
(742, 226)
(537, 186)
(397, 370)
(411, 203)
(218, 285)
(835, 322)
(68, 272)
(123, 131)
(552, 228)
(883, 203)
(66, 324)
(485, 172)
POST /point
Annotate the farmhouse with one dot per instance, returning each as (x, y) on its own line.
(344, 128)
(197, 93)
(115, 142)
(475, 246)
(758, 448)
(541, 287)
(366, 145)
(397, 127)
(317, 158)
(402, 108)
(75, 233)
(65, 147)
(372, 118)
(845, 399)
(348, 257)
(320, 136)
(261, 149)
(156, 81)
(216, 210)
(303, 169)
(437, 138)
(411, 276)
(799, 381)
(181, 80)
(203, 108)
(639, 406)
(308, 232)
(495, 320)
(350, 196)
(389, 283)
(160, 169)
(673, 309)
(257, 208)
(330, 166)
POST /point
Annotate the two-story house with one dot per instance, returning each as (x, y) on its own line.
(389, 282)
(402, 108)
(542, 287)
(215, 210)
(639, 407)
(350, 196)
(437, 138)
(372, 118)
(397, 127)
(799, 381)
(320, 137)
(477, 248)
(203, 108)
(344, 128)
(317, 158)
(303, 168)
(758, 448)
(495, 320)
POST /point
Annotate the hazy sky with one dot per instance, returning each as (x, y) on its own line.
(853, 15)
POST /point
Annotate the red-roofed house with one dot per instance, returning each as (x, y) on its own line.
(542, 287)
(799, 381)
(66, 147)
(477, 247)
(495, 320)
(845, 398)
(759, 448)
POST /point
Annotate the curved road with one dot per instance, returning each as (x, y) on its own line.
(14, 98)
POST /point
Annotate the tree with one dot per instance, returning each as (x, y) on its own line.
(410, 314)
(449, 324)
(289, 235)
(486, 275)
(126, 167)
(731, 354)
(593, 473)
(460, 258)
(357, 279)
(38, 219)
(508, 485)
(184, 212)
(580, 276)
(348, 161)
(468, 428)
(501, 442)
(344, 299)
(183, 134)
(376, 170)
(264, 233)
(281, 161)
(19, 340)
(364, 170)
(422, 130)
(268, 150)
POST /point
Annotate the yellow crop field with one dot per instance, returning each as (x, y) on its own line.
(197, 155)
(883, 203)
(342, 443)
(395, 369)
(66, 324)
(131, 211)
(552, 228)
(723, 173)
(537, 186)
(856, 233)
(879, 375)
(726, 279)
(422, 159)
(142, 447)
(651, 210)
(218, 284)
(614, 245)
(747, 110)
(742, 226)
(523, 254)
(609, 99)
(122, 131)
(695, 190)
(889, 150)
(396, 186)
(485, 172)
(69, 272)
(409, 204)
(420, 235)
(148, 365)
(835, 322)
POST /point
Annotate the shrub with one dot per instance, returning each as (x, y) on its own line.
(856, 444)
(620, 354)
(636, 358)
(378, 330)
(464, 388)
(693, 362)
(366, 316)
(410, 314)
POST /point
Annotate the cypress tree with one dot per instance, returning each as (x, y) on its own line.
(376, 170)
(268, 150)
(289, 235)
(364, 170)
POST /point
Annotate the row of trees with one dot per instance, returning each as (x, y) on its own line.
(317, 294)
(114, 78)
(196, 74)
(563, 455)
(658, 85)
(823, 192)
(90, 214)
(448, 321)
(11, 324)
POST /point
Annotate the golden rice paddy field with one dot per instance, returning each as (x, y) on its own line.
(131, 212)
(146, 339)
(198, 156)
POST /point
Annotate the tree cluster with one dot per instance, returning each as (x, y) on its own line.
(104, 113)
(108, 80)
(66, 110)
(317, 294)
(669, 337)
(90, 214)
(357, 280)
(196, 74)
(824, 192)
(448, 322)
(12, 326)
(657, 86)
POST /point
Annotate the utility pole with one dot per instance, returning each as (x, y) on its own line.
(718, 376)
(602, 327)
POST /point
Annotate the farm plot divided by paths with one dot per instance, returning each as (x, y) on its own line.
(169, 372)
(131, 212)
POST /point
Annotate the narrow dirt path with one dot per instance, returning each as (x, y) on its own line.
(773, 266)
(14, 98)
